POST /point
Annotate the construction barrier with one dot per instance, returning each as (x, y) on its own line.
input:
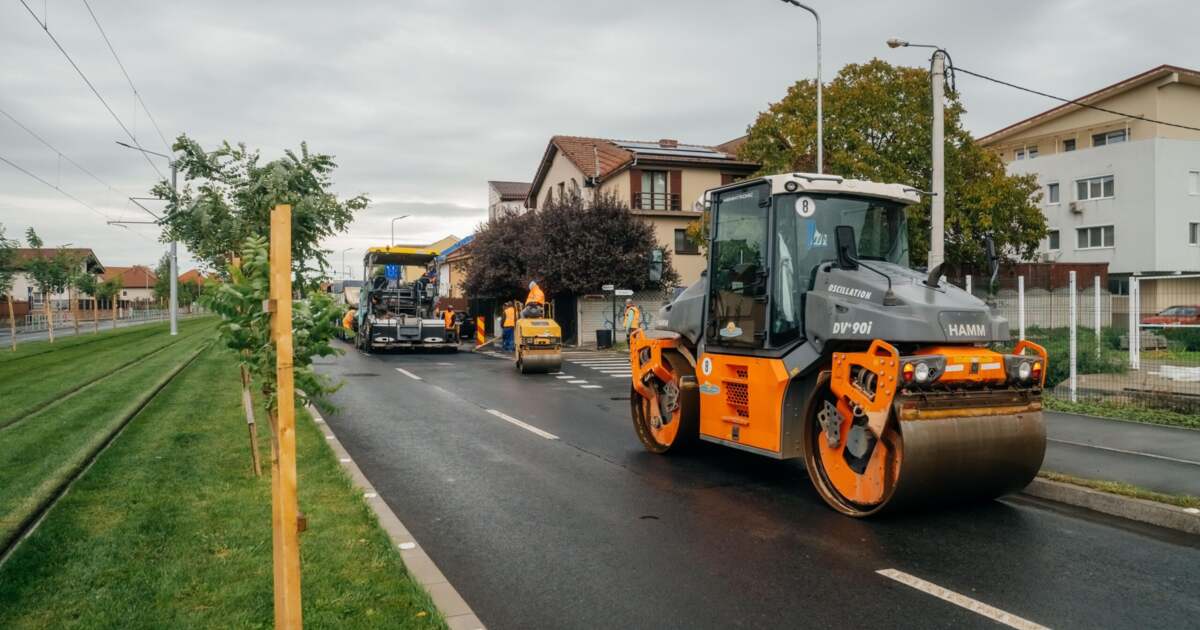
(480, 332)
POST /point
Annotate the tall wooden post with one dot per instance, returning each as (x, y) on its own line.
(285, 523)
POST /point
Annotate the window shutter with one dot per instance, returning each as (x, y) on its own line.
(675, 200)
(635, 187)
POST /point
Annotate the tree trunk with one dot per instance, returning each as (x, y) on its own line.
(12, 323)
(71, 295)
(49, 317)
(248, 408)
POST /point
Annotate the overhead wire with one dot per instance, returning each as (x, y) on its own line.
(55, 187)
(1074, 101)
(60, 154)
(91, 86)
(136, 93)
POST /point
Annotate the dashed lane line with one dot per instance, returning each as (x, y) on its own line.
(975, 606)
(408, 374)
(528, 427)
(577, 382)
(590, 386)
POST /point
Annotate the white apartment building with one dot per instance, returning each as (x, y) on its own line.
(1117, 189)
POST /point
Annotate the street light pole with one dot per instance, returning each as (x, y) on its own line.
(394, 220)
(937, 218)
(173, 250)
(820, 114)
(344, 261)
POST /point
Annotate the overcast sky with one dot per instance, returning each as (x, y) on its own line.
(423, 101)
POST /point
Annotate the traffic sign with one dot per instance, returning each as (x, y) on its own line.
(608, 287)
(624, 292)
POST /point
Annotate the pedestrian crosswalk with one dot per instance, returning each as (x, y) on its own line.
(610, 364)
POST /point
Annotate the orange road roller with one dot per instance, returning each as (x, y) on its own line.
(811, 337)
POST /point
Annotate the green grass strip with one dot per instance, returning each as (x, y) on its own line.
(41, 454)
(1131, 413)
(169, 528)
(43, 382)
(27, 349)
(1124, 489)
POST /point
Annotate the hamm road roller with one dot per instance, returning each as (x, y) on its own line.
(810, 337)
(537, 341)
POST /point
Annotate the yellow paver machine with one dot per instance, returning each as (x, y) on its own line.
(810, 337)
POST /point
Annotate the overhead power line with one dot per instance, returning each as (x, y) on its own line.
(60, 190)
(60, 153)
(1073, 101)
(91, 86)
(127, 77)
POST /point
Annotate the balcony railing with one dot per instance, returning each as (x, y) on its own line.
(656, 201)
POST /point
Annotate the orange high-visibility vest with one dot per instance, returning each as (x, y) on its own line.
(510, 317)
(448, 317)
(535, 295)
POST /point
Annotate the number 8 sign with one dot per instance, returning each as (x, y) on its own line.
(806, 206)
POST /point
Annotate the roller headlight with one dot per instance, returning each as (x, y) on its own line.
(1024, 371)
(921, 373)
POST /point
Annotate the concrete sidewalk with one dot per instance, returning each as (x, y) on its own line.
(1160, 458)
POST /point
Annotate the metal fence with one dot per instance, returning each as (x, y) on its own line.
(1140, 349)
(36, 321)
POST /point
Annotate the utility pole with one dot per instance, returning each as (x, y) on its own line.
(937, 84)
(174, 247)
(820, 114)
(394, 220)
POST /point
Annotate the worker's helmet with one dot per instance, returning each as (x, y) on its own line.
(628, 301)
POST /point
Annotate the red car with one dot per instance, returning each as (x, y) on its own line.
(1175, 315)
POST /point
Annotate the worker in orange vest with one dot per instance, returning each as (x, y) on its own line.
(448, 317)
(535, 303)
(633, 317)
(506, 327)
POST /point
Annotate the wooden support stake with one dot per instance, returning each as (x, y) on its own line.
(283, 468)
(12, 323)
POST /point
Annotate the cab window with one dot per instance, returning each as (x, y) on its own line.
(738, 273)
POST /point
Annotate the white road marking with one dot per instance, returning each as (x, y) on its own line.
(577, 382)
(1121, 450)
(590, 386)
(613, 370)
(975, 606)
(564, 376)
(407, 545)
(408, 374)
(625, 375)
(528, 427)
(604, 364)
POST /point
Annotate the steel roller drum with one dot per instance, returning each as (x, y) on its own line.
(540, 362)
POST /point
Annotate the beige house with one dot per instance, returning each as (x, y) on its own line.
(662, 181)
(1118, 186)
(506, 197)
(25, 294)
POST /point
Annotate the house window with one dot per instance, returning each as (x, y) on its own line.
(1020, 155)
(562, 188)
(549, 195)
(1094, 188)
(1032, 151)
(1194, 182)
(1053, 244)
(574, 187)
(654, 190)
(1194, 233)
(1068, 144)
(1095, 237)
(1110, 137)
(683, 244)
(1052, 192)
(1118, 285)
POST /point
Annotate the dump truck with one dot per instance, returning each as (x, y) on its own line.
(809, 336)
(394, 313)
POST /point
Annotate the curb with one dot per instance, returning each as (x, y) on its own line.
(1141, 510)
(454, 608)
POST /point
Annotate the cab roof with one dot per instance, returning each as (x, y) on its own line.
(400, 255)
(831, 184)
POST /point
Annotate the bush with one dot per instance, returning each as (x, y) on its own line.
(1182, 339)
(1058, 346)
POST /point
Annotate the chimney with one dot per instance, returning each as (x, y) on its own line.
(668, 143)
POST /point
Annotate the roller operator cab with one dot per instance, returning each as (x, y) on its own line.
(394, 313)
(811, 337)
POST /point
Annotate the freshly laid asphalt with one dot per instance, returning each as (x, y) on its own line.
(588, 530)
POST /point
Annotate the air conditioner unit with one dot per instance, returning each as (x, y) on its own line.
(1076, 207)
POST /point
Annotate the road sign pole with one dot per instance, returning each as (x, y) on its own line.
(285, 517)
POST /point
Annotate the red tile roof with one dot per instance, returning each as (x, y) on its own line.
(510, 191)
(135, 277)
(192, 275)
(25, 254)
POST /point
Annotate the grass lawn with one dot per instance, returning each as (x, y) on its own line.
(1132, 413)
(1124, 489)
(170, 528)
(86, 336)
(63, 370)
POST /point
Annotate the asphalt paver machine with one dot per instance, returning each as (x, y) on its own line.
(810, 337)
(394, 313)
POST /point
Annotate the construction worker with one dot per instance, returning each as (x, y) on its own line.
(536, 296)
(506, 326)
(632, 317)
(348, 320)
(448, 318)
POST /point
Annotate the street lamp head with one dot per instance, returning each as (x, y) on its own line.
(896, 43)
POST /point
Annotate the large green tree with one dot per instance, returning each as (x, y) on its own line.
(569, 245)
(878, 127)
(51, 274)
(228, 195)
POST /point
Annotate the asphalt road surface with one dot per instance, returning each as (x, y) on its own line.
(535, 498)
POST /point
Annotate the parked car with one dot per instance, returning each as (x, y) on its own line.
(1175, 316)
